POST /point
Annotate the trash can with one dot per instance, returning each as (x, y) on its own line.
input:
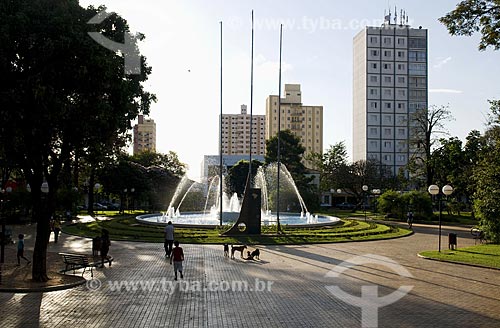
(452, 240)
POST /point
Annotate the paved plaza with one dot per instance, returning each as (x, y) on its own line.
(291, 286)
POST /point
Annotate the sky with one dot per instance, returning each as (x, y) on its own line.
(183, 45)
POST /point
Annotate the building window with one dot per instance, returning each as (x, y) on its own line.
(374, 65)
(387, 66)
(402, 93)
(374, 78)
(373, 104)
(387, 105)
(417, 69)
(419, 56)
(401, 41)
(388, 92)
(387, 53)
(417, 43)
(387, 41)
(374, 53)
(401, 79)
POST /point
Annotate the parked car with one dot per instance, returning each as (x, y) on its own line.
(100, 207)
(346, 206)
(113, 206)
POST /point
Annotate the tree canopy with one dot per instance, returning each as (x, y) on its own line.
(472, 16)
(61, 93)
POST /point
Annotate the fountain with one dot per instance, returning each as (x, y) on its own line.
(264, 180)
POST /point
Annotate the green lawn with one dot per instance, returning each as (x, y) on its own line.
(126, 228)
(484, 255)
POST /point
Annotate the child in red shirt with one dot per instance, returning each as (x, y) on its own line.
(177, 257)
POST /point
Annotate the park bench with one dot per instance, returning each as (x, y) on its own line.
(81, 261)
(77, 261)
(477, 234)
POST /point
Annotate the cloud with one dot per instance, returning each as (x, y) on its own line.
(442, 62)
(445, 91)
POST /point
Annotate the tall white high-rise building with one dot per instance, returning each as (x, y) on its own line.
(389, 85)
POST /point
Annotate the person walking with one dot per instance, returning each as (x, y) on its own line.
(20, 250)
(177, 257)
(56, 227)
(105, 243)
(409, 219)
(169, 238)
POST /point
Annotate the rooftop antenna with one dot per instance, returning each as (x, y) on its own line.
(387, 18)
(395, 15)
(402, 18)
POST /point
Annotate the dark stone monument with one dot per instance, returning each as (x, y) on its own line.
(249, 220)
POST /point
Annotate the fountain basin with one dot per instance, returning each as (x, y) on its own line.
(201, 220)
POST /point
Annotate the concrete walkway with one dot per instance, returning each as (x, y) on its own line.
(291, 286)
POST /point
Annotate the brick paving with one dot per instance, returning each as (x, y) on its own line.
(287, 288)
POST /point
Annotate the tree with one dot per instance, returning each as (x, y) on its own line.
(60, 94)
(427, 126)
(169, 161)
(471, 16)
(291, 155)
(487, 180)
(330, 164)
(238, 175)
(371, 173)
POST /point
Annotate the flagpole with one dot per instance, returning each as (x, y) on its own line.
(220, 131)
(251, 107)
(279, 129)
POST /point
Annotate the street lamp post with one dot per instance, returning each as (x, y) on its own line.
(365, 189)
(97, 186)
(434, 190)
(132, 195)
(376, 192)
(125, 196)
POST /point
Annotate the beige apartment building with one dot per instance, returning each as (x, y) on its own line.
(304, 121)
(389, 85)
(144, 135)
(236, 133)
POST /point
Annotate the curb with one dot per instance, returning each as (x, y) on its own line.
(23, 290)
(457, 262)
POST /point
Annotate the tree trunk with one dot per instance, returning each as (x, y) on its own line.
(39, 269)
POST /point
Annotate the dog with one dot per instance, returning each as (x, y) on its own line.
(255, 254)
(226, 250)
(237, 248)
(96, 246)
